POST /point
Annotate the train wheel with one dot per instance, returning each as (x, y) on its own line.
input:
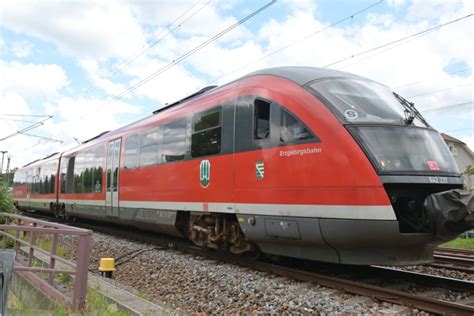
(218, 231)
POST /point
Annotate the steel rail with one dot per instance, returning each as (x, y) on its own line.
(353, 287)
(379, 293)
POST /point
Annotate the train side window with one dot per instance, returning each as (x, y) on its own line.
(206, 137)
(149, 149)
(261, 122)
(64, 164)
(174, 141)
(98, 168)
(87, 172)
(70, 175)
(131, 152)
(78, 168)
(52, 177)
(292, 129)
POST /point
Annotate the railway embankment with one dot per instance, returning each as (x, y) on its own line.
(187, 283)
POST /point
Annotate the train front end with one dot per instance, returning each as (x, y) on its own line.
(413, 162)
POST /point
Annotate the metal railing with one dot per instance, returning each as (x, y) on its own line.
(26, 232)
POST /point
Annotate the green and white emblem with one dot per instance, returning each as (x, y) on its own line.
(260, 169)
(205, 172)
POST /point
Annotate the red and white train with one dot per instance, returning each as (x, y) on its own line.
(295, 161)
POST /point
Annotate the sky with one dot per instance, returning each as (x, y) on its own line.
(83, 63)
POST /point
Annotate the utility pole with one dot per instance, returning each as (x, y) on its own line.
(7, 172)
(3, 152)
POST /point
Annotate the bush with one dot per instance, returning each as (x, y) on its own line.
(6, 200)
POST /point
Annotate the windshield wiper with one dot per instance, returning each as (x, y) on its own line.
(410, 110)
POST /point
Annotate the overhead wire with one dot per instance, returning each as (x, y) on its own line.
(141, 51)
(43, 137)
(28, 128)
(298, 41)
(417, 34)
(440, 90)
(431, 79)
(447, 106)
(188, 53)
(459, 130)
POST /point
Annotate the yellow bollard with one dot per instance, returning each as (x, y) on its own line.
(106, 267)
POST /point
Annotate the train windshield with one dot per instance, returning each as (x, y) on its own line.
(397, 149)
(365, 101)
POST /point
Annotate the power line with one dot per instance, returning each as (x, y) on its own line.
(421, 33)
(299, 40)
(15, 120)
(189, 53)
(43, 137)
(441, 90)
(28, 128)
(416, 82)
(141, 51)
(447, 106)
(26, 115)
(458, 130)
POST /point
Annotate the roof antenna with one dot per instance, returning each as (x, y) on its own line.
(77, 140)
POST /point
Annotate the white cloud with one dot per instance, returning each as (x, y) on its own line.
(92, 29)
(31, 80)
(396, 3)
(21, 49)
(469, 140)
(203, 18)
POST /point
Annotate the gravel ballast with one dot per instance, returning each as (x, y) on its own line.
(189, 283)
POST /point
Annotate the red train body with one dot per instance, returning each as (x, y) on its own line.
(279, 160)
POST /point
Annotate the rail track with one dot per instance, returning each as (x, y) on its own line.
(416, 290)
(454, 259)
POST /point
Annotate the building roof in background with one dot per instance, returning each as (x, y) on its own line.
(449, 138)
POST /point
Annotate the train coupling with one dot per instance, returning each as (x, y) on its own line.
(450, 213)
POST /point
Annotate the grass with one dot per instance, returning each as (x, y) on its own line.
(460, 243)
(98, 305)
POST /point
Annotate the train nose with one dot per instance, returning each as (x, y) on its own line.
(450, 213)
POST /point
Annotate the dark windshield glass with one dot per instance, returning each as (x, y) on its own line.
(406, 150)
(363, 101)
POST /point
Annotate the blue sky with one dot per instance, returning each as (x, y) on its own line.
(68, 61)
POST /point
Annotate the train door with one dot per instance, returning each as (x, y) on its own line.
(113, 167)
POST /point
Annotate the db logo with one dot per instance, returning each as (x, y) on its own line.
(433, 165)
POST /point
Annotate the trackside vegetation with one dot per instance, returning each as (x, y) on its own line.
(6, 200)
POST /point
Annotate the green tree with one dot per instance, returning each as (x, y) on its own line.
(6, 200)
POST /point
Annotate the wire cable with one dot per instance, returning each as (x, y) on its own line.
(447, 106)
(189, 53)
(298, 41)
(458, 130)
(418, 34)
(43, 137)
(28, 128)
(441, 90)
(140, 52)
(431, 79)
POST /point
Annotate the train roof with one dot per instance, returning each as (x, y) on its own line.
(40, 161)
(301, 75)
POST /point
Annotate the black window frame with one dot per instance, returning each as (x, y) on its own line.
(196, 117)
(144, 142)
(126, 159)
(311, 139)
(187, 142)
(255, 123)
